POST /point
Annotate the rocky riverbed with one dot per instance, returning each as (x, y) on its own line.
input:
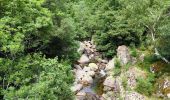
(89, 73)
(94, 78)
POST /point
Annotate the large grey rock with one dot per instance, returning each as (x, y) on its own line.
(77, 67)
(123, 54)
(76, 87)
(81, 48)
(93, 66)
(132, 74)
(134, 96)
(87, 80)
(109, 81)
(91, 73)
(91, 56)
(110, 65)
(79, 74)
(80, 93)
(84, 59)
(88, 71)
(106, 88)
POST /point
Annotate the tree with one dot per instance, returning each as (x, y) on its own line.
(35, 77)
(31, 31)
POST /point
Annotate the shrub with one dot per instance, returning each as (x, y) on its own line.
(133, 52)
(117, 69)
(35, 77)
(145, 86)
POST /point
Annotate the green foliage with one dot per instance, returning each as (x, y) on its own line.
(117, 63)
(35, 77)
(85, 20)
(124, 82)
(117, 70)
(145, 86)
(149, 59)
(14, 27)
(163, 38)
(117, 22)
(133, 52)
(28, 27)
(47, 25)
(52, 27)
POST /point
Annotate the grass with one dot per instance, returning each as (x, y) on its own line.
(117, 70)
(145, 86)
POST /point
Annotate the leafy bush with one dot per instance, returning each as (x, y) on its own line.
(133, 52)
(148, 60)
(47, 29)
(27, 28)
(145, 86)
(35, 77)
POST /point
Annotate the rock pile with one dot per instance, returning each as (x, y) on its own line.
(92, 67)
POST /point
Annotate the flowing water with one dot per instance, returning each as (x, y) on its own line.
(94, 89)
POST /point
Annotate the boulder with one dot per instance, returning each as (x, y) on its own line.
(91, 73)
(123, 54)
(81, 48)
(93, 66)
(84, 59)
(134, 96)
(77, 67)
(132, 74)
(87, 80)
(91, 56)
(81, 93)
(104, 61)
(109, 81)
(79, 74)
(106, 88)
(88, 71)
(131, 80)
(110, 65)
(76, 87)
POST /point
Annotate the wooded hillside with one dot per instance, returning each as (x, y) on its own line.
(41, 41)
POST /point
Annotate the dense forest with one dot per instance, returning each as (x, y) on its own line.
(40, 42)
